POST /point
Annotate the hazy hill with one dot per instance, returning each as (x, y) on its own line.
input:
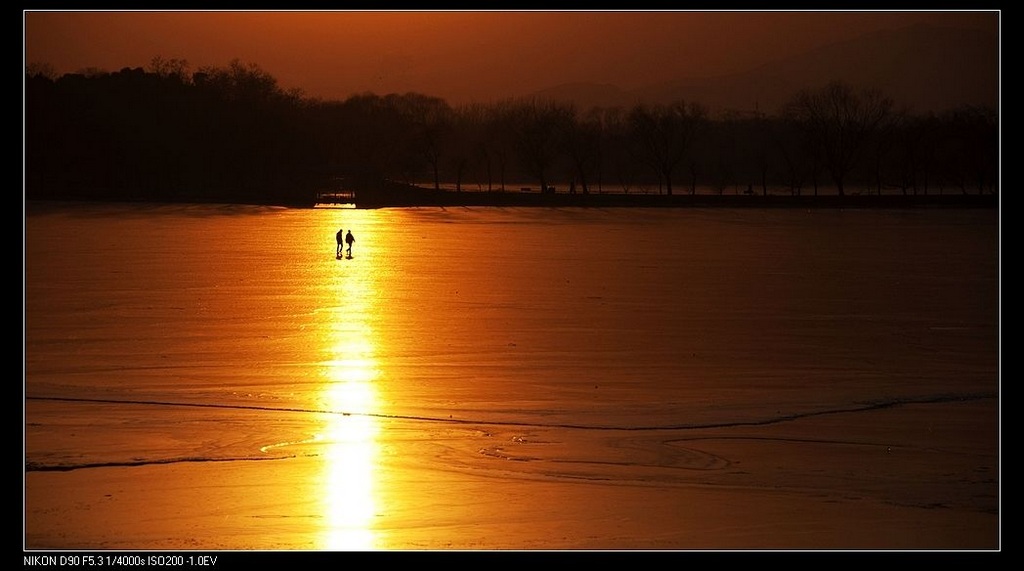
(926, 68)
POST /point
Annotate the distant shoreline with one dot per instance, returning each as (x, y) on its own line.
(428, 197)
(515, 200)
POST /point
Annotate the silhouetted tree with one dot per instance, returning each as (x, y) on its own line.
(793, 160)
(374, 140)
(462, 146)
(538, 126)
(581, 140)
(232, 134)
(761, 149)
(171, 68)
(664, 134)
(500, 136)
(970, 147)
(617, 147)
(722, 153)
(432, 121)
(882, 146)
(472, 129)
(839, 121)
(922, 134)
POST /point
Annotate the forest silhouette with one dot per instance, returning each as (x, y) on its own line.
(232, 135)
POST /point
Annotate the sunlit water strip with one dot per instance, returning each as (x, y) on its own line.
(350, 496)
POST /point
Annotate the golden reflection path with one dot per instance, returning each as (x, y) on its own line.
(350, 498)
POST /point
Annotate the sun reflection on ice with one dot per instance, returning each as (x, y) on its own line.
(350, 497)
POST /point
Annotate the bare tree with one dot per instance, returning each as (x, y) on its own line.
(839, 122)
(538, 126)
(500, 135)
(582, 143)
(615, 139)
(664, 133)
(472, 130)
(432, 122)
(883, 145)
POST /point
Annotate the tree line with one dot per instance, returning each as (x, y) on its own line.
(232, 134)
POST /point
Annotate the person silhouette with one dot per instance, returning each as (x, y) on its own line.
(341, 241)
(349, 239)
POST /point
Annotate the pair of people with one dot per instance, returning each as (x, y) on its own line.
(344, 241)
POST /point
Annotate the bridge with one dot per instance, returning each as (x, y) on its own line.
(335, 197)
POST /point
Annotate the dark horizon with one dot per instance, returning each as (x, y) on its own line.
(173, 129)
(487, 56)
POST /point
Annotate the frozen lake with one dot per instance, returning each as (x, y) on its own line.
(164, 333)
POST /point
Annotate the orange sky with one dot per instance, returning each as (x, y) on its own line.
(460, 56)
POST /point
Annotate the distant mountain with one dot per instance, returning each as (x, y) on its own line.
(925, 68)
